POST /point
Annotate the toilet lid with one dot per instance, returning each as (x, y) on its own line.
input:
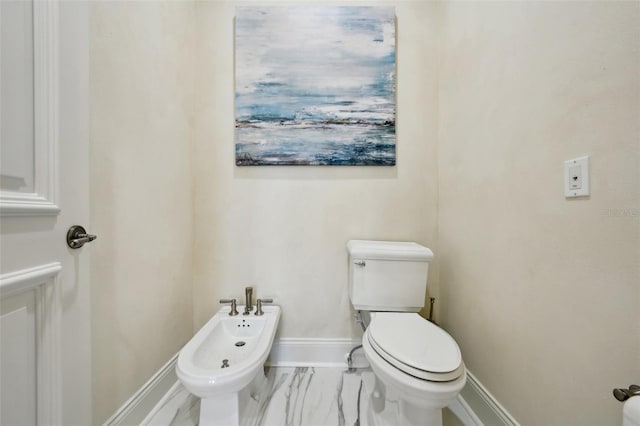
(415, 346)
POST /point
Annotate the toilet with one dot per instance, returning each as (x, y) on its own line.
(417, 364)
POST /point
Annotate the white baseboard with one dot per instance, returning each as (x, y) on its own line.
(464, 413)
(482, 407)
(300, 352)
(164, 400)
(136, 409)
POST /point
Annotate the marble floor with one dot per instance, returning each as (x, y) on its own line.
(296, 396)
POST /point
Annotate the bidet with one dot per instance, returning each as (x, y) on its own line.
(224, 362)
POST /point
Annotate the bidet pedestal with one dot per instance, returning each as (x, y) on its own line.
(220, 410)
(230, 408)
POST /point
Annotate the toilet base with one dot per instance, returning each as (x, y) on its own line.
(389, 405)
(228, 409)
(412, 415)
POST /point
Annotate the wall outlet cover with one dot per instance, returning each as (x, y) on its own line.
(576, 177)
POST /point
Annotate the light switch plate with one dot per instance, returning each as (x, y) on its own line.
(576, 177)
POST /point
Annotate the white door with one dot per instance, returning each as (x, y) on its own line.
(45, 306)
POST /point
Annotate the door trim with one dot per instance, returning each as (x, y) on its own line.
(44, 281)
(25, 279)
(45, 80)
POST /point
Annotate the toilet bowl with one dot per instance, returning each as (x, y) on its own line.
(417, 361)
(418, 366)
(224, 362)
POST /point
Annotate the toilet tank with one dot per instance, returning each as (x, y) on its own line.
(388, 275)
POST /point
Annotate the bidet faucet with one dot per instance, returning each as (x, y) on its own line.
(233, 312)
(259, 303)
(248, 305)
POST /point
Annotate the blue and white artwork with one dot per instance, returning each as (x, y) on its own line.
(315, 85)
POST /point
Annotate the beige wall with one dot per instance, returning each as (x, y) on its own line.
(542, 292)
(284, 229)
(142, 82)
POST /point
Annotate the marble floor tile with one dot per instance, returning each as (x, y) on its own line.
(177, 407)
(310, 396)
(295, 396)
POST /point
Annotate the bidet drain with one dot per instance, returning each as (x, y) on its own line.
(240, 343)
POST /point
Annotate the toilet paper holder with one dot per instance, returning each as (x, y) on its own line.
(622, 394)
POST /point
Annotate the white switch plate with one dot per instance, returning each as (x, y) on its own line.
(576, 177)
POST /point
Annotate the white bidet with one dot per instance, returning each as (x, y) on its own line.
(224, 362)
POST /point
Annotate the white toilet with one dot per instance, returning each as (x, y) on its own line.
(415, 362)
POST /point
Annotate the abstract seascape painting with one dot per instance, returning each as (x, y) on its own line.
(315, 85)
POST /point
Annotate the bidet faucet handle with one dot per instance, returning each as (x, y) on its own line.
(259, 303)
(233, 312)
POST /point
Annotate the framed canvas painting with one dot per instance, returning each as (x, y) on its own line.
(315, 85)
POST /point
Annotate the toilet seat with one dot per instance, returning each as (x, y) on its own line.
(415, 346)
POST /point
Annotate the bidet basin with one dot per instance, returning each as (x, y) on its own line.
(233, 339)
(227, 353)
